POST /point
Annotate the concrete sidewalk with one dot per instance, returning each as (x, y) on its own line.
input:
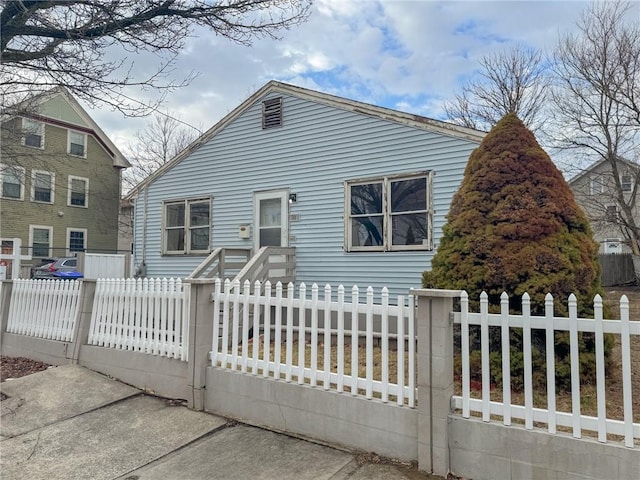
(70, 423)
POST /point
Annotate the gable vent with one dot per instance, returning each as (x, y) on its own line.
(272, 113)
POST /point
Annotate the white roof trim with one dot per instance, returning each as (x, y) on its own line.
(388, 114)
(119, 160)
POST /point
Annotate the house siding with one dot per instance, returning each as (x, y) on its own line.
(316, 150)
(594, 204)
(100, 219)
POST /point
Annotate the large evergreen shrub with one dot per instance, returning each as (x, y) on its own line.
(514, 226)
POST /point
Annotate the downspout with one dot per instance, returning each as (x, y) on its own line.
(144, 230)
(141, 267)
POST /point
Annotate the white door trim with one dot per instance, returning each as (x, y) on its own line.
(283, 196)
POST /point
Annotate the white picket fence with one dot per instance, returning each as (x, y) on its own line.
(44, 308)
(149, 315)
(550, 324)
(277, 353)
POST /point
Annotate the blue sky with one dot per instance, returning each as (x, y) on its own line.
(406, 55)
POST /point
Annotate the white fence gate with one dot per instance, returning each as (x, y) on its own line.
(148, 315)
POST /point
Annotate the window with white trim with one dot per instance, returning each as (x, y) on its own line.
(78, 191)
(42, 186)
(611, 212)
(77, 143)
(597, 185)
(12, 182)
(76, 240)
(389, 213)
(187, 226)
(626, 182)
(6, 246)
(32, 133)
(40, 238)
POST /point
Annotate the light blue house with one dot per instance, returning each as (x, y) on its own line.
(358, 193)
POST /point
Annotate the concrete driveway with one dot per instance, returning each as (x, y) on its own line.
(71, 423)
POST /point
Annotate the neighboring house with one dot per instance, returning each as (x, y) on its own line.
(60, 179)
(360, 191)
(595, 192)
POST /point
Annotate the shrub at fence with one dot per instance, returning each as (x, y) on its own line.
(562, 350)
(487, 366)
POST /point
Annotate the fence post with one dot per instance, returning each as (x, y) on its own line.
(435, 376)
(200, 338)
(83, 321)
(6, 286)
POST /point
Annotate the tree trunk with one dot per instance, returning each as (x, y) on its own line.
(636, 267)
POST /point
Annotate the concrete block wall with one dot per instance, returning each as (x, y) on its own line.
(482, 450)
(440, 441)
(329, 416)
(164, 376)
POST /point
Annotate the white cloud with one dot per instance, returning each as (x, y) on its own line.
(408, 55)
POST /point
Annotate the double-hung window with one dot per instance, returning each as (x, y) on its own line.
(78, 191)
(40, 238)
(389, 213)
(597, 185)
(76, 240)
(12, 182)
(77, 143)
(32, 133)
(626, 182)
(42, 186)
(187, 226)
(612, 213)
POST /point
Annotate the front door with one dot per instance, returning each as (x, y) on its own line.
(271, 219)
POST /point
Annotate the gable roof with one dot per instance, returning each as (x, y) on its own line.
(594, 166)
(274, 86)
(90, 126)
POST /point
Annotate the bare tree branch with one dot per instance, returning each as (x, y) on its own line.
(162, 139)
(50, 43)
(512, 81)
(596, 112)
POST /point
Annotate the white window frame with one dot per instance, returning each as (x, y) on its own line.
(2, 247)
(52, 176)
(84, 246)
(612, 217)
(628, 184)
(40, 227)
(86, 191)
(187, 226)
(594, 182)
(85, 136)
(5, 167)
(25, 129)
(387, 214)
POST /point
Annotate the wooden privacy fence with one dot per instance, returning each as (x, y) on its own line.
(549, 324)
(296, 330)
(44, 308)
(616, 269)
(148, 315)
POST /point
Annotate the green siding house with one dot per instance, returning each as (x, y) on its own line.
(60, 179)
